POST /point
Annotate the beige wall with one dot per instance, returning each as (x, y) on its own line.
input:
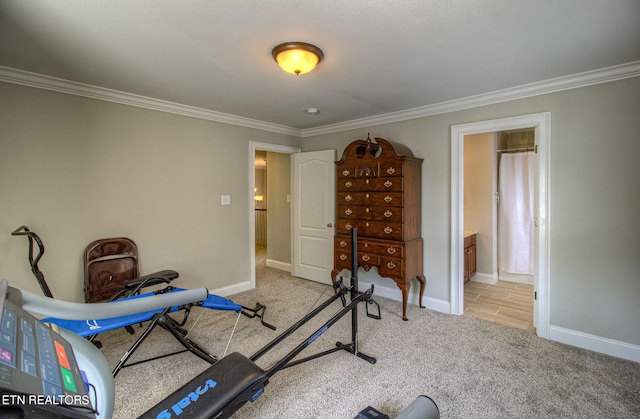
(479, 152)
(594, 199)
(75, 169)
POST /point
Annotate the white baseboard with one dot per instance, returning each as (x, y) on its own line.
(394, 293)
(232, 289)
(595, 343)
(484, 278)
(283, 266)
(519, 278)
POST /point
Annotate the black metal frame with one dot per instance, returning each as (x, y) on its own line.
(33, 262)
(352, 347)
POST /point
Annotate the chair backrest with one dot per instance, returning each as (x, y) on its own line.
(108, 263)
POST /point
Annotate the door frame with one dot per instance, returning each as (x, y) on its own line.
(253, 147)
(541, 122)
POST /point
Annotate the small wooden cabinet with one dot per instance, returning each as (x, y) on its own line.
(469, 256)
(379, 194)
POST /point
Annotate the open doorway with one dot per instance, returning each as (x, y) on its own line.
(261, 149)
(499, 202)
(541, 125)
(260, 208)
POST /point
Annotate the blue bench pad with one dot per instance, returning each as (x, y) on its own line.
(90, 327)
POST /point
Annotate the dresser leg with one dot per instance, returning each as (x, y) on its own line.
(405, 295)
(423, 282)
(334, 275)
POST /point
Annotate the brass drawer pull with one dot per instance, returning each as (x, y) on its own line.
(388, 230)
(388, 199)
(391, 170)
(391, 265)
(343, 257)
(348, 184)
(348, 226)
(388, 184)
(343, 243)
(366, 258)
(346, 172)
(388, 213)
(348, 198)
(348, 211)
(391, 250)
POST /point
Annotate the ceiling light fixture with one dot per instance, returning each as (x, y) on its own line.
(297, 57)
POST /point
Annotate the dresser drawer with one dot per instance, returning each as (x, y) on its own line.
(346, 172)
(372, 246)
(389, 214)
(375, 229)
(391, 170)
(381, 248)
(372, 185)
(391, 267)
(388, 199)
(367, 260)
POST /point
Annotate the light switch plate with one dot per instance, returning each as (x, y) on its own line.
(225, 199)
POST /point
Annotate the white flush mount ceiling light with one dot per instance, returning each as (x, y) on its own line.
(312, 111)
(297, 57)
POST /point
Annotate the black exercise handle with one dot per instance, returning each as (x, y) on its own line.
(33, 262)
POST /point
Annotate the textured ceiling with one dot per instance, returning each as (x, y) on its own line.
(381, 56)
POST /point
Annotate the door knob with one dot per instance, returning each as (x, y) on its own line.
(330, 225)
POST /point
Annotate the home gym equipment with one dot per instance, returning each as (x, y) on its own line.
(86, 321)
(227, 385)
(220, 390)
(33, 261)
(423, 407)
(50, 372)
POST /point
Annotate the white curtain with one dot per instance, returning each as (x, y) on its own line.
(516, 213)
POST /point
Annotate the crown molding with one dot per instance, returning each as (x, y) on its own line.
(12, 75)
(605, 75)
(575, 81)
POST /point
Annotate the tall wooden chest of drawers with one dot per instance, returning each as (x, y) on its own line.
(379, 193)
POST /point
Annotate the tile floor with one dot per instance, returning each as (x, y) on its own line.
(507, 303)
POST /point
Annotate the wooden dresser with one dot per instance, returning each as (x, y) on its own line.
(379, 193)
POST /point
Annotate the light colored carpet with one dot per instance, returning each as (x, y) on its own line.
(470, 367)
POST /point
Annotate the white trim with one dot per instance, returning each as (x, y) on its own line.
(231, 289)
(595, 343)
(253, 146)
(575, 81)
(276, 264)
(588, 78)
(484, 279)
(55, 84)
(542, 124)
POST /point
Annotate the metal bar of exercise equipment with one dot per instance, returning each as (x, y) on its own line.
(234, 380)
(33, 262)
(352, 347)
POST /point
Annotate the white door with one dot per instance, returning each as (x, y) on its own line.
(313, 214)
